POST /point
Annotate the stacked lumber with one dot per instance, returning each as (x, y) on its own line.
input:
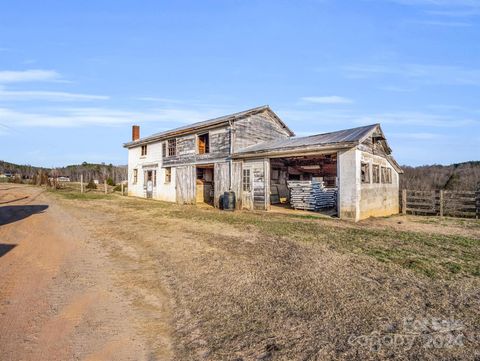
(311, 195)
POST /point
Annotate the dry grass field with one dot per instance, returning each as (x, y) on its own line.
(202, 284)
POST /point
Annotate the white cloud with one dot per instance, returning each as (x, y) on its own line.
(456, 24)
(78, 117)
(426, 73)
(328, 119)
(418, 119)
(441, 3)
(415, 135)
(10, 76)
(332, 99)
(26, 95)
(157, 99)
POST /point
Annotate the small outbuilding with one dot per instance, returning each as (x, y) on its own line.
(350, 173)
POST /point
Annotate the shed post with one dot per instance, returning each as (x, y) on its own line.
(81, 183)
(441, 203)
(404, 201)
(105, 186)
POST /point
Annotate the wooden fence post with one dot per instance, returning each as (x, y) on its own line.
(121, 187)
(441, 203)
(81, 183)
(105, 185)
(404, 201)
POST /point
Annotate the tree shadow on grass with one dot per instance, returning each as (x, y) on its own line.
(10, 214)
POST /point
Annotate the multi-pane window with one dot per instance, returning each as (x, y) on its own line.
(144, 150)
(203, 143)
(164, 150)
(386, 175)
(246, 180)
(172, 147)
(376, 173)
(168, 175)
(135, 176)
(154, 178)
(365, 172)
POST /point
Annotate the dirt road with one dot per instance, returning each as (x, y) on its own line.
(95, 277)
(58, 300)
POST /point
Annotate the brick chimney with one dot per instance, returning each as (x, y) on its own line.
(135, 132)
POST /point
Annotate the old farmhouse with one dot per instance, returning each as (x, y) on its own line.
(253, 153)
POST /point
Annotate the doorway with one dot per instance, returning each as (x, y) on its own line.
(205, 184)
(150, 182)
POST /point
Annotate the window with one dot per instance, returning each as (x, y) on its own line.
(144, 150)
(154, 178)
(168, 175)
(376, 173)
(172, 147)
(386, 175)
(365, 172)
(246, 180)
(135, 176)
(203, 144)
(164, 150)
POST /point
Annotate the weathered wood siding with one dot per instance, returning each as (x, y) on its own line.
(187, 152)
(256, 129)
(260, 195)
(185, 184)
(221, 180)
(369, 146)
(237, 183)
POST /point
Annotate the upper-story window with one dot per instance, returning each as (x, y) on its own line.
(144, 150)
(365, 172)
(172, 147)
(164, 149)
(203, 143)
(376, 173)
(386, 175)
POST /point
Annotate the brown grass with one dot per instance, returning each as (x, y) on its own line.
(251, 286)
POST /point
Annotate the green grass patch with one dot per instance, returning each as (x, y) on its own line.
(82, 196)
(421, 252)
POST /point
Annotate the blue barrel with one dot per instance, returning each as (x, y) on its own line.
(229, 201)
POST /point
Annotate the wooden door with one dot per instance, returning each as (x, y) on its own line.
(185, 184)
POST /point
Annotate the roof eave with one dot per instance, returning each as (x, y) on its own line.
(165, 136)
(211, 125)
(296, 150)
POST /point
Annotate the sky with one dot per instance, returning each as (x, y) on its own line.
(75, 75)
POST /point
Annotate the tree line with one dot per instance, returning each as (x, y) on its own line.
(455, 177)
(90, 171)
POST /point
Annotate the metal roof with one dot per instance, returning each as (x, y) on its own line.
(190, 128)
(341, 137)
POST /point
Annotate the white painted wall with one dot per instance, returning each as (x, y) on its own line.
(378, 199)
(348, 173)
(153, 160)
(359, 200)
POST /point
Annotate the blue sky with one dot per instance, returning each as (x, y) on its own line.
(75, 75)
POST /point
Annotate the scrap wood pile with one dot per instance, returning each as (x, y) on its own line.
(311, 195)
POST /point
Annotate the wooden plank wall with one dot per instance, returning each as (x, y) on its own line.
(187, 148)
(185, 181)
(441, 203)
(256, 129)
(221, 174)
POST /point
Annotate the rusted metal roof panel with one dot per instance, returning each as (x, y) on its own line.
(346, 136)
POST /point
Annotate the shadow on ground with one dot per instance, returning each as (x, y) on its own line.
(5, 248)
(10, 214)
